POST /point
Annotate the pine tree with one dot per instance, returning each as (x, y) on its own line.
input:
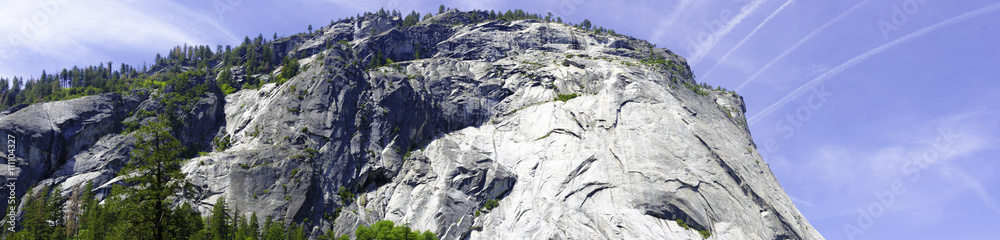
(91, 220)
(411, 19)
(219, 224)
(54, 213)
(153, 175)
(189, 223)
(33, 225)
(241, 227)
(295, 232)
(290, 68)
(43, 217)
(275, 230)
(254, 226)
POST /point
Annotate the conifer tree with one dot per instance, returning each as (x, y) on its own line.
(43, 217)
(295, 232)
(240, 226)
(153, 175)
(189, 223)
(54, 213)
(93, 219)
(219, 225)
(33, 224)
(254, 226)
(274, 230)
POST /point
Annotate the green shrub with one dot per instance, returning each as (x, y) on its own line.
(290, 68)
(490, 204)
(387, 230)
(565, 97)
(696, 89)
(681, 223)
(312, 152)
(705, 233)
(345, 196)
(131, 126)
(222, 144)
(226, 89)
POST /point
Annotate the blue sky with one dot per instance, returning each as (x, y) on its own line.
(878, 116)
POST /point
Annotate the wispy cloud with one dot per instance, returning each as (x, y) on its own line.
(980, 191)
(801, 41)
(752, 33)
(65, 32)
(864, 56)
(852, 173)
(800, 202)
(680, 9)
(665, 25)
(704, 48)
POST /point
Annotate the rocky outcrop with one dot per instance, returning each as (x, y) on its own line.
(575, 134)
(51, 139)
(69, 143)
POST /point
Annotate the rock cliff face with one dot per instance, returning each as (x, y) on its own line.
(579, 135)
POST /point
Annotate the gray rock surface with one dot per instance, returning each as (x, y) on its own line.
(468, 113)
(60, 139)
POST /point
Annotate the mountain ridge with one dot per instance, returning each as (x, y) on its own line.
(409, 118)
